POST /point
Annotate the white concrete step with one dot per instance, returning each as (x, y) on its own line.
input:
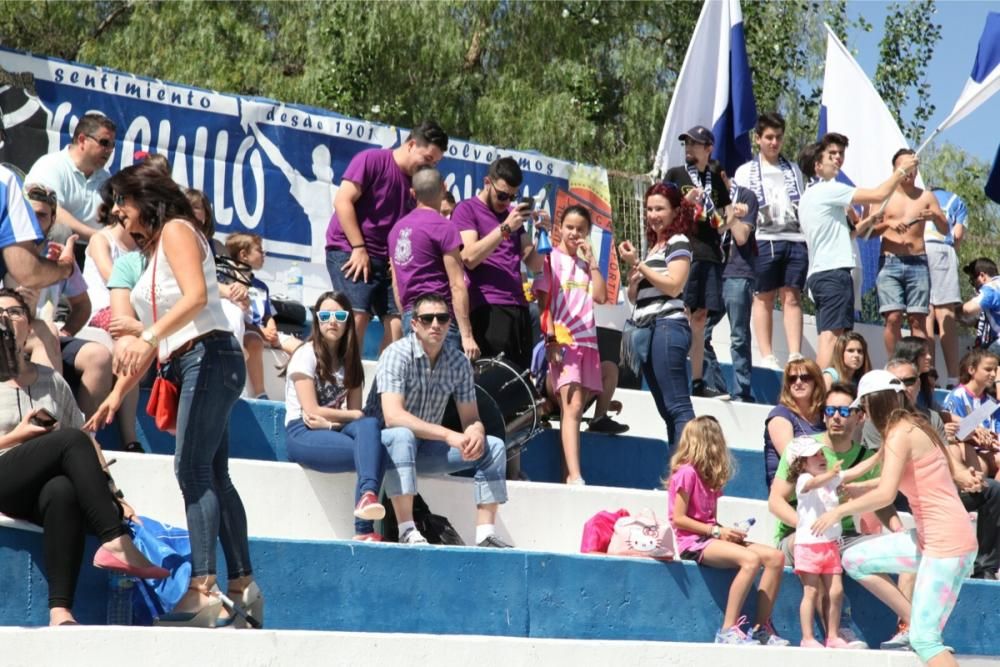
(169, 647)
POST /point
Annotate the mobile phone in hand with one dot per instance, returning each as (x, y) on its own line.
(43, 418)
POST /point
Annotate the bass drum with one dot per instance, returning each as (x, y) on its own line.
(507, 401)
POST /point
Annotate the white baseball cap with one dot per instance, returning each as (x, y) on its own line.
(803, 446)
(875, 381)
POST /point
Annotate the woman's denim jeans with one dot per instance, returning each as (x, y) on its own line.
(666, 373)
(210, 376)
(357, 446)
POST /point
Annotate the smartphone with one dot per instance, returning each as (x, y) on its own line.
(43, 418)
(526, 205)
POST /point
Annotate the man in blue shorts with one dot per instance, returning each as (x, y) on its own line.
(830, 235)
(373, 195)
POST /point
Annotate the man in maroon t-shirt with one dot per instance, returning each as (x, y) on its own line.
(495, 243)
(425, 251)
(373, 195)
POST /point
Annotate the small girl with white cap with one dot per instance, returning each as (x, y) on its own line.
(818, 556)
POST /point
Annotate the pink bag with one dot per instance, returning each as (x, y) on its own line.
(643, 536)
(598, 530)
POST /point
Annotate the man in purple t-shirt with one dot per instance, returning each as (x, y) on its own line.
(373, 195)
(425, 251)
(495, 243)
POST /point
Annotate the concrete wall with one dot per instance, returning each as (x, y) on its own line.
(455, 590)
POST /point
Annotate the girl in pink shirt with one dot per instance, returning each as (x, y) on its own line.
(699, 471)
(567, 291)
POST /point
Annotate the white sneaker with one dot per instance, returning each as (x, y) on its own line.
(795, 356)
(770, 361)
(413, 537)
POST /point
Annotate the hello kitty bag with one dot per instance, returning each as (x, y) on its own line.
(643, 536)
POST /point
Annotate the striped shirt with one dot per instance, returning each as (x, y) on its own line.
(17, 218)
(405, 369)
(955, 212)
(650, 302)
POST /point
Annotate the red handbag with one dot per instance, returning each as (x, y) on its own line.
(163, 398)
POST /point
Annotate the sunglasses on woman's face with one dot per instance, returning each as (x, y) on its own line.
(804, 378)
(325, 316)
(843, 410)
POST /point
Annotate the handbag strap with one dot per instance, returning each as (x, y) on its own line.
(152, 296)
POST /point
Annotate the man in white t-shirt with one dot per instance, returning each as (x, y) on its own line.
(830, 235)
(77, 173)
(782, 260)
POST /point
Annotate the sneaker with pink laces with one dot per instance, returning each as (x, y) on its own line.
(836, 642)
(369, 508)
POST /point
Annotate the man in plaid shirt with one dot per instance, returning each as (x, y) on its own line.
(415, 378)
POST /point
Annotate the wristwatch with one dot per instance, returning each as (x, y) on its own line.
(716, 531)
(150, 338)
(505, 231)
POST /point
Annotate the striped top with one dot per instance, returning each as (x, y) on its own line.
(650, 302)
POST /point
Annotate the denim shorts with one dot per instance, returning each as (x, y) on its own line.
(704, 287)
(374, 297)
(903, 283)
(781, 264)
(833, 293)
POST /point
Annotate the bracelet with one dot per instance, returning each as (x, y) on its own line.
(595, 268)
(360, 246)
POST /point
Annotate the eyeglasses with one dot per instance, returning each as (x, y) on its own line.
(804, 378)
(910, 381)
(14, 312)
(501, 195)
(325, 316)
(843, 410)
(118, 199)
(104, 143)
(428, 318)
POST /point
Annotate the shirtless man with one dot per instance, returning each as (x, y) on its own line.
(903, 282)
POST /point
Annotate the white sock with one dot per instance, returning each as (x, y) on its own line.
(485, 530)
(405, 526)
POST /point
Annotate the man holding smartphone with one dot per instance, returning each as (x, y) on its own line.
(494, 245)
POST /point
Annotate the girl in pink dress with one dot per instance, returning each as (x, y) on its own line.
(567, 291)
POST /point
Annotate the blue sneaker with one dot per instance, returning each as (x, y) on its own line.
(735, 635)
(766, 635)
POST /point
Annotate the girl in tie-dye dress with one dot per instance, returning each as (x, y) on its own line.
(569, 287)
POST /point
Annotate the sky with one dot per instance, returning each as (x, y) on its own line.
(961, 23)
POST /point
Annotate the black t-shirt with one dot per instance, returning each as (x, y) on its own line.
(706, 243)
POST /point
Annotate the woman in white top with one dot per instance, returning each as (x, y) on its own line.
(325, 429)
(186, 330)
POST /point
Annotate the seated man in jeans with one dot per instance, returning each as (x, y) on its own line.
(414, 380)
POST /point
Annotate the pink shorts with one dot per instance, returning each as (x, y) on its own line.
(580, 365)
(822, 558)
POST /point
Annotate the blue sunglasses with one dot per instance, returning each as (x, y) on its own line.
(325, 316)
(844, 411)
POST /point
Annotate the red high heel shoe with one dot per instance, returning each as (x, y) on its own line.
(105, 560)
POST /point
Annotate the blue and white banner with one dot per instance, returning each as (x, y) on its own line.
(269, 168)
(851, 106)
(984, 80)
(714, 89)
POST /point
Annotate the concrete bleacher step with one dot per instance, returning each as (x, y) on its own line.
(172, 647)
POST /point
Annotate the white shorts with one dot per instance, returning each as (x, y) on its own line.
(943, 264)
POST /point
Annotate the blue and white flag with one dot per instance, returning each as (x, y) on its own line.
(851, 106)
(985, 78)
(714, 89)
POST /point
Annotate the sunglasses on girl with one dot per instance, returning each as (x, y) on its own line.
(842, 410)
(804, 378)
(325, 316)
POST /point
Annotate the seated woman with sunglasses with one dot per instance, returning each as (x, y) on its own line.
(324, 426)
(52, 473)
(177, 300)
(799, 412)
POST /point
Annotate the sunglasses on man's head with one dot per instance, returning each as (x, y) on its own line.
(799, 377)
(843, 410)
(427, 318)
(325, 316)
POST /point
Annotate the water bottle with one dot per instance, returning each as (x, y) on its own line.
(120, 589)
(544, 245)
(293, 282)
(745, 525)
